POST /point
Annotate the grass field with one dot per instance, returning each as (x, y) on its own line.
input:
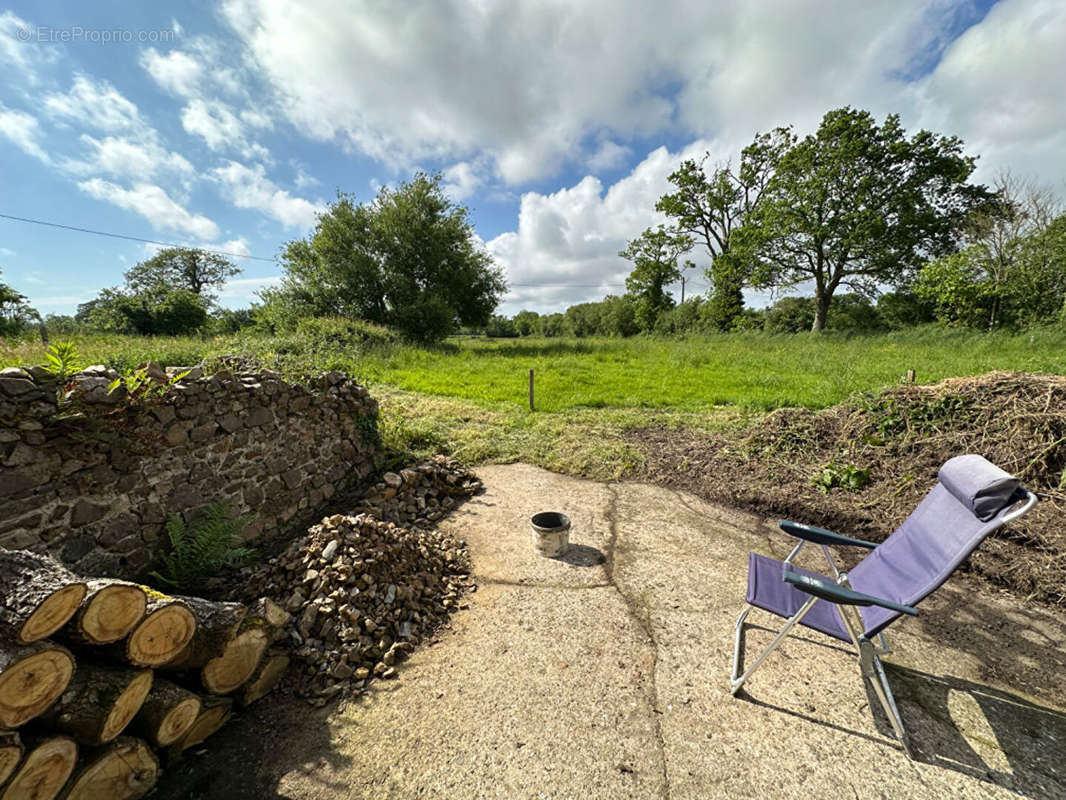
(468, 397)
(755, 372)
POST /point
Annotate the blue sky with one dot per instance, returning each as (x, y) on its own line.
(231, 126)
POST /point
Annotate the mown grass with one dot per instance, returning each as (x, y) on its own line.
(751, 371)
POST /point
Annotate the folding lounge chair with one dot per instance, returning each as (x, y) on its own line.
(972, 499)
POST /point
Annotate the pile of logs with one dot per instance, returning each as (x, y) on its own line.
(85, 709)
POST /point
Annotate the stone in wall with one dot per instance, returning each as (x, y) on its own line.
(93, 480)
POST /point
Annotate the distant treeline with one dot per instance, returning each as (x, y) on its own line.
(617, 317)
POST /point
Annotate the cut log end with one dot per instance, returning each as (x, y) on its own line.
(266, 677)
(238, 661)
(32, 678)
(44, 770)
(213, 715)
(161, 635)
(10, 754)
(167, 714)
(110, 613)
(126, 706)
(178, 721)
(52, 613)
(124, 770)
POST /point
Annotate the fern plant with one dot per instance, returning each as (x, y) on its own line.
(203, 548)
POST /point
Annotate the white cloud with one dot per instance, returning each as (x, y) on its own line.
(303, 180)
(97, 104)
(120, 156)
(177, 71)
(7, 251)
(155, 205)
(609, 155)
(220, 128)
(248, 287)
(461, 181)
(237, 248)
(566, 247)
(18, 51)
(22, 129)
(248, 187)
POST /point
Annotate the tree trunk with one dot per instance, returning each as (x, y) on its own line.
(238, 661)
(44, 770)
(821, 310)
(108, 613)
(100, 702)
(213, 715)
(32, 676)
(166, 629)
(37, 595)
(167, 714)
(216, 624)
(264, 679)
(10, 754)
(124, 770)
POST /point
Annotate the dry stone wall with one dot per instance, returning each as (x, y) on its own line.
(93, 481)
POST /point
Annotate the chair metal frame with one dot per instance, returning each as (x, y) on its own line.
(868, 654)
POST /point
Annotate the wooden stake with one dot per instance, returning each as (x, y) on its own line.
(531, 390)
(910, 376)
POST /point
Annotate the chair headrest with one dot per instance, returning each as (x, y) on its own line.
(978, 484)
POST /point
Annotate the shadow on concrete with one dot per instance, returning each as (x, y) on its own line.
(581, 555)
(982, 732)
(978, 731)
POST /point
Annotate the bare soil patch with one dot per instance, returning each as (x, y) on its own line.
(901, 435)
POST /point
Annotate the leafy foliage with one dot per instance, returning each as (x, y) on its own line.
(654, 255)
(201, 549)
(62, 360)
(409, 259)
(709, 205)
(16, 314)
(193, 270)
(140, 386)
(842, 476)
(858, 204)
(160, 310)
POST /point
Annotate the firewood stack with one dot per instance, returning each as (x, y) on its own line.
(84, 711)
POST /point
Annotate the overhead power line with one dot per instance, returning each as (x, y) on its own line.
(270, 260)
(128, 238)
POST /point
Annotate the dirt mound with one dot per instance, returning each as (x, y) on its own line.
(863, 465)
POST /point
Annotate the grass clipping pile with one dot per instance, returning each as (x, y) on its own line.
(862, 466)
(363, 591)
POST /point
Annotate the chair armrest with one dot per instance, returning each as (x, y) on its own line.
(841, 595)
(821, 535)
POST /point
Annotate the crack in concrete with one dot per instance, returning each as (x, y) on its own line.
(642, 616)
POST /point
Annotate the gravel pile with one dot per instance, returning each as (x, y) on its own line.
(364, 590)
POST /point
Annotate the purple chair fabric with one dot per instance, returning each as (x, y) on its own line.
(948, 525)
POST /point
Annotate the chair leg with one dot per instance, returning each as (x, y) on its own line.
(874, 672)
(736, 682)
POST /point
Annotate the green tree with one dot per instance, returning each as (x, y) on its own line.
(552, 325)
(526, 322)
(858, 204)
(789, 315)
(584, 319)
(409, 259)
(194, 270)
(709, 206)
(160, 311)
(16, 314)
(500, 327)
(654, 255)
